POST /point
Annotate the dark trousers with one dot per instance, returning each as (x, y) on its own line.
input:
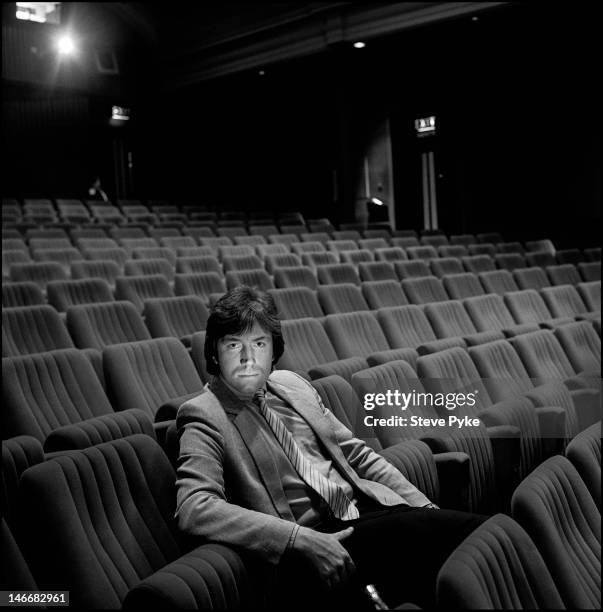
(398, 549)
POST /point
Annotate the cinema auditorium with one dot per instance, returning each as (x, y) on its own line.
(415, 188)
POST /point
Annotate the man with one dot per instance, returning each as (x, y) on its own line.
(265, 467)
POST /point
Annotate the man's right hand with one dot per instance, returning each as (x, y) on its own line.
(329, 558)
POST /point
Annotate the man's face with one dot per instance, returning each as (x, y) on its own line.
(245, 360)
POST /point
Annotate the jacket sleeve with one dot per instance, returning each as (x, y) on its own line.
(202, 508)
(368, 464)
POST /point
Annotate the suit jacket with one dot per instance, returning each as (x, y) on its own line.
(229, 489)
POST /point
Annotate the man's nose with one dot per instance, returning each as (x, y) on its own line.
(246, 353)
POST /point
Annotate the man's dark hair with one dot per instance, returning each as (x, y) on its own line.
(235, 313)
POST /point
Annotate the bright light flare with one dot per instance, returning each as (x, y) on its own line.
(66, 46)
(359, 45)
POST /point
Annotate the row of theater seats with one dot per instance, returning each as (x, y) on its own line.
(93, 319)
(135, 469)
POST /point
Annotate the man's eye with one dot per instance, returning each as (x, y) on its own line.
(232, 345)
(260, 344)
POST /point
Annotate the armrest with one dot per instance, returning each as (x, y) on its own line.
(161, 431)
(483, 337)
(506, 441)
(453, 474)
(209, 577)
(342, 367)
(415, 461)
(523, 328)
(439, 345)
(552, 429)
(169, 409)
(587, 403)
(404, 354)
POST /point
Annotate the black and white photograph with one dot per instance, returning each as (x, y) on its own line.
(301, 306)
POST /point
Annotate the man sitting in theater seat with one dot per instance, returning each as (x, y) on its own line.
(266, 468)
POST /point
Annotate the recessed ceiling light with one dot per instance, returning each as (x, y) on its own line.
(261, 72)
(359, 45)
(474, 18)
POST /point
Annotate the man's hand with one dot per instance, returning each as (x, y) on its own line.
(329, 558)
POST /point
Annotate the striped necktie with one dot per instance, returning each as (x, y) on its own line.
(341, 506)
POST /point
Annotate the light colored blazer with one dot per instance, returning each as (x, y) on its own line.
(229, 489)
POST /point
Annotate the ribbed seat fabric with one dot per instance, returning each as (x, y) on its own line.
(343, 297)
(149, 373)
(356, 257)
(421, 252)
(412, 269)
(377, 271)
(228, 251)
(435, 240)
(25, 293)
(557, 511)
(531, 278)
(105, 269)
(390, 254)
(174, 242)
(16, 575)
(424, 290)
(63, 294)
(46, 391)
(40, 273)
(249, 240)
(311, 246)
(285, 239)
(137, 243)
(146, 267)
(316, 236)
(540, 258)
(510, 261)
(372, 244)
(36, 244)
(196, 251)
(180, 316)
(262, 250)
(455, 251)
(115, 254)
(581, 344)
(296, 303)
(128, 556)
(215, 242)
(64, 256)
(298, 276)
(449, 319)
(563, 274)
(341, 245)
(13, 257)
(497, 567)
(198, 264)
(489, 312)
(405, 326)
(584, 451)
(404, 241)
(461, 286)
(198, 357)
(98, 325)
(241, 263)
(202, 284)
(137, 289)
(545, 359)
(478, 263)
(316, 259)
(498, 281)
(355, 334)
(253, 278)
(527, 306)
(383, 293)
(330, 274)
(569, 256)
(590, 271)
(286, 260)
(446, 265)
(155, 253)
(563, 301)
(32, 329)
(591, 295)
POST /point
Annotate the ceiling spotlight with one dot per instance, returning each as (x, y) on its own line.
(474, 18)
(359, 45)
(261, 72)
(65, 45)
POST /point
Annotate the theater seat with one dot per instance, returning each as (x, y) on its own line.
(25, 293)
(145, 267)
(590, 271)
(16, 574)
(527, 306)
(298, 276)
(565, 301)
(478, 263)
(377, 271)
(498, 281)
(286, 260)
(98, 325)
(489, 312)
(531, 278)
(424, 290)
(582, 346)
(63, 294)
(591, 295)
(390, 254)
(40, 273)
(564, 274)
(342, 297)
(497, 567)
(446, 265)
(355, 334)
(557, 511)
(405, 326)
(48, 391)
(133, 555)
(202, 284)
(309, 351)
(105, 269)
(412, 269)
(384, 293)
(137, 289)
(252, 278)
(32, 329)
(331, 274)
(179, 317)
(356, 257)
(461, 286)
(155, 253)
(584, 451)
(149, 374)
(296, 303)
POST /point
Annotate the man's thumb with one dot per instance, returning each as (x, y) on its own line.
(342, 535)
